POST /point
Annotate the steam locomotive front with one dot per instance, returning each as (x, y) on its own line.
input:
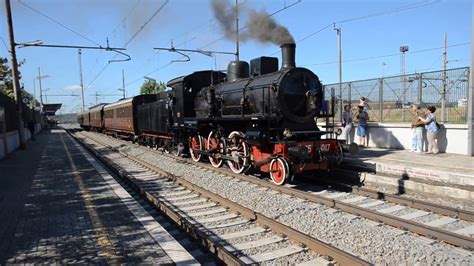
(300, 92)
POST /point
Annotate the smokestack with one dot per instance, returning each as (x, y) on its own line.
(288, 55)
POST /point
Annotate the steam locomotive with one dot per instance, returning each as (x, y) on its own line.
(254, 115)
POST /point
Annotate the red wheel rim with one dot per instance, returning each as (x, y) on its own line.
(239, 149)
(214, 143)
(237, 167)
(195, 145)
(278, 171)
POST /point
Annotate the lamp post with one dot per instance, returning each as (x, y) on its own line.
(79, 51)
(40, 86)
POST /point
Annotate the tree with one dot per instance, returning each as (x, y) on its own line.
(150, 86)
(6, 81)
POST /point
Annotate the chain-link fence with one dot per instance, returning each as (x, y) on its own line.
(389, 98)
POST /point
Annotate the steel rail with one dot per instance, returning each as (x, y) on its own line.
(393, 198)
(417, 204)
(415, 227)
(419, 228)
(165, 208)
(318, 246)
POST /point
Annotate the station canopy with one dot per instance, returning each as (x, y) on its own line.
(50, 109)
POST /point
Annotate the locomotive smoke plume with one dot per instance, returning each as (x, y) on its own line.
(225, 17)
(261, 26)
(265, 29)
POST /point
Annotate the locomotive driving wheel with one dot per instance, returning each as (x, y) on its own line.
(195, 145)
(279, 171)
(215, 142)
(239, 150)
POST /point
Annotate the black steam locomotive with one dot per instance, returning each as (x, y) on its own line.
(256, 115)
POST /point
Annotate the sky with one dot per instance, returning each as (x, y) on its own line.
(372, 33)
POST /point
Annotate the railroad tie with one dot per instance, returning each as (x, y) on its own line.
(440, 222)
(466, 230)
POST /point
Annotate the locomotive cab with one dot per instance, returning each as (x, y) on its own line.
(186, 89)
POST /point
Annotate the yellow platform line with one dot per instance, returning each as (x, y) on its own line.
(102, 237)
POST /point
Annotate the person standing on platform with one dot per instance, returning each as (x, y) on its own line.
(363, 103)
(31, 128)
(362, 126)
(347, 123)
(432, 128)
(417, 129)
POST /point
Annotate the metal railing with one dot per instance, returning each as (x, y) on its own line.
(389, 98)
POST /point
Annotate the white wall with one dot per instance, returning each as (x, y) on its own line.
(451, 138)
(13, 140)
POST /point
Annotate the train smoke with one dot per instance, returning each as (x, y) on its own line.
(226, 18)
(261, 26)
(264, 28)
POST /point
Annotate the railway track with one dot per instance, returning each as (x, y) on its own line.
(446, 224)
(234, 233)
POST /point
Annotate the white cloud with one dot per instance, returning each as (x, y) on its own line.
(72, 87)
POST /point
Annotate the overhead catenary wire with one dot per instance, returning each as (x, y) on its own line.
(388, 55)
(130, 40)
(122, 22)
(4, 44)
(377, 14)
(58, 23)
(213, 42)
(381, 13)
(210, 23)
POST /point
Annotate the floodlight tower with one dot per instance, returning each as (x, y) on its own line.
(403, 50)
(403, 78)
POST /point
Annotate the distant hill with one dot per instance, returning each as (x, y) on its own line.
(66, 118)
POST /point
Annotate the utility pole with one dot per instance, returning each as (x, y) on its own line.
(16, 83)
(443, 91)
(34, 93)
(237, 30)
(339, 49)
(46, 95)
(80, 75)
(123, 83)
(470, 106)
(41, 89)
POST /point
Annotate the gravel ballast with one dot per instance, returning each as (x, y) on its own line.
(377, 244)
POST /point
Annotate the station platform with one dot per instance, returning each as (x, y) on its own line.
(58, 205)
(443, 174)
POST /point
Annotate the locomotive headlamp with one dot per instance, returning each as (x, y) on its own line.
(287, 133)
